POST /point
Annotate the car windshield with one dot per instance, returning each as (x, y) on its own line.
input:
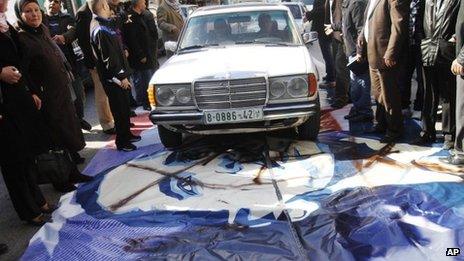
(254, 27)
(295, 10)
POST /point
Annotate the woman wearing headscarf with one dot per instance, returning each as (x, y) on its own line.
(20, 136)
(49, 78)
(170, 19)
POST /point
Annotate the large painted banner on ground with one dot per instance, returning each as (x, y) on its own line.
(344, 197)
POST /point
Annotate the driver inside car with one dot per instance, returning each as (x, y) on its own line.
(221, 32)
(268, 27)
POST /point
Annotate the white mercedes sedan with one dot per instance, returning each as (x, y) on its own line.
(236, 69)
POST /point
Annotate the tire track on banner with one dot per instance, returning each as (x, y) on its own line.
(296, 238)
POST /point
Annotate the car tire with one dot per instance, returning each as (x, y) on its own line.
(310, 128)
(169, 139)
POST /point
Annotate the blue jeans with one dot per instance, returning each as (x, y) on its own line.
(141, 80)
(360, 93)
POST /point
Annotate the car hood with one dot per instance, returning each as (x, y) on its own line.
(234, 62)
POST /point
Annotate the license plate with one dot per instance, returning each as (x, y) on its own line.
(231, 116)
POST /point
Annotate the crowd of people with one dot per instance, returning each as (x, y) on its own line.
(367, 45)
(41, 89)
(375, 46)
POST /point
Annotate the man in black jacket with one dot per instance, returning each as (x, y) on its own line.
(142, 57)
(360, 84)
(113, 70)
(457, 68)
(438, 52)
(83, 18)
(63, 32)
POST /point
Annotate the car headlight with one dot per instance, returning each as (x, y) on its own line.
(297, 87)
(183, 95)
(173, 95)
(277, 89)
(288, 87)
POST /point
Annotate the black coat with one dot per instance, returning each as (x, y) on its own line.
(83, 19)
(64, 24)
(460, 35)
(316, 15)
(140, 41)
(50, 79)
(439, 28)
(352, 23)
(22, 134)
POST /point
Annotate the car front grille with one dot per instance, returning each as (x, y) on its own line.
(227, 94)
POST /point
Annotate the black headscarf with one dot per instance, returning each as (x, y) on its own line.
(18, 7)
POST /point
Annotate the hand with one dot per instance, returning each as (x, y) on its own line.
(359, 58)
(125, 84)
(389, 62)
(59, 39)
(360, 42)
(37, 101)
(126, 53)
(10, 74)
(328, 29)
(456, 68)
(144, 60)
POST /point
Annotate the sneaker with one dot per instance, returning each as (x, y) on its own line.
(85, 125)
(350, 115)
(127, 148)
(111, 131)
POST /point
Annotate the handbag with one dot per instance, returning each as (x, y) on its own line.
(54, 167)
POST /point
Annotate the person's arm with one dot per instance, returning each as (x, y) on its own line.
(70, 35)
(399, 10)
(83, 38)
(161, 16)
(357, 15)
(460, 57)
(110, 57)
(135, 47)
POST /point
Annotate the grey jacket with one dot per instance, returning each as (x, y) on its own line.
(352, 23)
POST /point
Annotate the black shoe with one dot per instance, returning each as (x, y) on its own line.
(135, 138)
(3, 249)
(39, 221)
(77, 159)
(147, 107)
(389, 139)
(85, 125)
(127, 148)
(50, 208)
(79, 178)
(424, 139)
(350, 115)
(361, 118)
(111, 131)
(132, 114)
(453, 160)
(377, 129)
(65, 188)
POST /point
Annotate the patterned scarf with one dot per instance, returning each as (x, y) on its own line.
(3, 23)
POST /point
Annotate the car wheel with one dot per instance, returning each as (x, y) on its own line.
(169, 139)
(310, 128)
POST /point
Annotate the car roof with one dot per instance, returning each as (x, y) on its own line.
(292, 3)
(187, 5)
(243, 7)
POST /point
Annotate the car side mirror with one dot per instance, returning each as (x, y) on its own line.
(170, 46)
(310, 37)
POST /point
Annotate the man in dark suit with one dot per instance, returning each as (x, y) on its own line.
(457, 68)
(383, 37)
(438, 52)
(333, 28)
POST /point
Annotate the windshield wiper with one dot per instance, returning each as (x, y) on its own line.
(198, 46)
(264, 42)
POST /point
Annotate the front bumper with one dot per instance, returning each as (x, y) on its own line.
(276, 116)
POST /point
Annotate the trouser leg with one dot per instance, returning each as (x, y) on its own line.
(342, 73)
(376, 91)
(327, 55)
(141, 81)
(429, 110)
(101, 102)
(405, 78)
(360, 91)
(119, 105)
(390, 99)
(80, 97)
(447, 90)
(459, 140)
(418, 103)
(24, 192)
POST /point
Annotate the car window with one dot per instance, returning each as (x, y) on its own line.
(295, 10)
(308, 2)
(240, 28)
